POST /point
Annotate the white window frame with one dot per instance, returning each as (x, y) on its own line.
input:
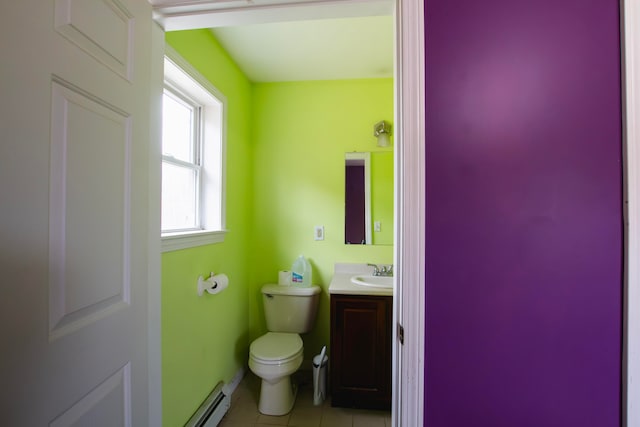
(181, 77)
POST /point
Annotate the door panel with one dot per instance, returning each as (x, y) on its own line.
(361, 351)
(74, 188)
(108, 39)
(106, 405)
(88, 280)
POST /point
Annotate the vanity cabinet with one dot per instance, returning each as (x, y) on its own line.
(361, 351)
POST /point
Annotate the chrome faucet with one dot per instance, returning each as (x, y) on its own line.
(385, 270)
(376, 270)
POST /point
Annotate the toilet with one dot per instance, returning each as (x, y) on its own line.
(289, 311)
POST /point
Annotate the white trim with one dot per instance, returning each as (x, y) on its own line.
(180, 73)
(409, 369)
(176, 15)
(154, 317)
(631, 137)
(190, 239)
(231, 386)
(198, 79)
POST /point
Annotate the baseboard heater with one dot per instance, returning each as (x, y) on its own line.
(210, 413)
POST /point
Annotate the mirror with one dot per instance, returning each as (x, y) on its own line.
(369, 198)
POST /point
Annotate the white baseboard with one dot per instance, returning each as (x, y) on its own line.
(231, 386)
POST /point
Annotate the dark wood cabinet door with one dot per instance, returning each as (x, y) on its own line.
(361, 351)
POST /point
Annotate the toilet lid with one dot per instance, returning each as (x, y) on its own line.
(274, 346)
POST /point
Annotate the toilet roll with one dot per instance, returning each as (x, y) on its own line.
(284, 278)
(218, 283)
(213, 284)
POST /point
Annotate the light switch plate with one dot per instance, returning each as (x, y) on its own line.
(376, 226)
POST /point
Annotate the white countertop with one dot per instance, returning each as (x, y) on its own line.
(341, 282)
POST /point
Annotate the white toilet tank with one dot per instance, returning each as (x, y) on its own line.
(290, 308)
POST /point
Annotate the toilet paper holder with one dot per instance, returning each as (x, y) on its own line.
(213, 285)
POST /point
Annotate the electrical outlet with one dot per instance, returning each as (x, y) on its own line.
(319, 232)
(376, 226)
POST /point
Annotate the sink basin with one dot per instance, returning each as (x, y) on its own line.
(373, 281)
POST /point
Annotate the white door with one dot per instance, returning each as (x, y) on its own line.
(74, 180)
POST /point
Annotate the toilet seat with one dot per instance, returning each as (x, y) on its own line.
(276, 348)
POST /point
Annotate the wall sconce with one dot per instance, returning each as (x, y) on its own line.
(382, 131)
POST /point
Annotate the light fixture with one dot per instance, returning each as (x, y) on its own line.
(382, 131)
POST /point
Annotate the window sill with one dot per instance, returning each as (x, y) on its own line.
(191, 239)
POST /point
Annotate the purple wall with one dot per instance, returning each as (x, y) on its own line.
(524, 222)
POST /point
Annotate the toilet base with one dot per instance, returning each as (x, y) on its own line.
(277, 398)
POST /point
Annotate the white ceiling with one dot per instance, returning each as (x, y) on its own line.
(325, 49)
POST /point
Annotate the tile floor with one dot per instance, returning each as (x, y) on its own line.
(244, 409)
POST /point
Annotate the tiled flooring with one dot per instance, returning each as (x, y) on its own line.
(244, 409)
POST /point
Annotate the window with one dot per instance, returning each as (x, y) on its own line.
(180, 162)
(192, 158)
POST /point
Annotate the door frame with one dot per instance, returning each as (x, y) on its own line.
(154, 263)
(630, 38)
(409, 301)
(408, 406)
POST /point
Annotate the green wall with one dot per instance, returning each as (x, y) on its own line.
(301, 131)
(205, 339)
(285, 175)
